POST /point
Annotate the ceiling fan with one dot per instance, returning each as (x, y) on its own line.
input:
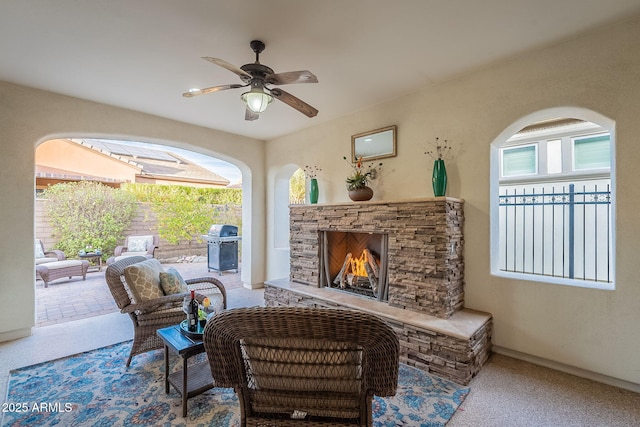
(259, 76)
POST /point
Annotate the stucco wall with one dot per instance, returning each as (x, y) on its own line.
(594, 330)
(29, 117)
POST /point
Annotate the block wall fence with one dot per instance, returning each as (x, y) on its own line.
(145, 222)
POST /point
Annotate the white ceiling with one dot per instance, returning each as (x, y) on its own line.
(143, 54)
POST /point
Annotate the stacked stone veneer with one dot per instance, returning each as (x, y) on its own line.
(426, 279)
(457, 357)
(425, 263)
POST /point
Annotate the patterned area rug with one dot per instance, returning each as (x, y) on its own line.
(96, 389)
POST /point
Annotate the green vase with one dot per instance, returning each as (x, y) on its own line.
(439, 178)
(313, 191)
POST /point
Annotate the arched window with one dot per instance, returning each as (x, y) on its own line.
(552, 210)
(297, 191)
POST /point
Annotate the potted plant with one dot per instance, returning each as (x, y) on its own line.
(357, 182)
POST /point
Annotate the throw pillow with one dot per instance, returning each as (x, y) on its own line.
(39, 251)
(143, 280)
(138, 243)
(171, 284)
(176, 273)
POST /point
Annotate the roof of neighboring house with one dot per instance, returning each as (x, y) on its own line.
(45, 172)
(156, 164)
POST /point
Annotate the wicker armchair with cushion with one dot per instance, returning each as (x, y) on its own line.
(303, 366)
(152, 297)
(135, 246)
(43, 257)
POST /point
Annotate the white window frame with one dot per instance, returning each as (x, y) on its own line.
(507, 137)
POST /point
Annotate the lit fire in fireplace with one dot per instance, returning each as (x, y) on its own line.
(359, 273)
(357, 265)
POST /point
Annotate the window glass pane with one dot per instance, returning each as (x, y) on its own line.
(591, 153)
(519, 161)
(554, 156)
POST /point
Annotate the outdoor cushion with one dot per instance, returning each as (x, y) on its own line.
(175, 272)
(143, 280)
(62, 264)
(172, 284)
(129, 254)
(39, 251)
(45, 260)
(139, 243)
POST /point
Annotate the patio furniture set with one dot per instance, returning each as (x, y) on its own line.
(287, 365)
(53, 264)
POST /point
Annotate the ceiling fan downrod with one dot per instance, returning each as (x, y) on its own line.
(257, 47)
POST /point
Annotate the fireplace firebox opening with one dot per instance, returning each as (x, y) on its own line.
(354, 262)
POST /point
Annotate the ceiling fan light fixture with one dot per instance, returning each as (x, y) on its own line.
(259, 76)
(256, 99)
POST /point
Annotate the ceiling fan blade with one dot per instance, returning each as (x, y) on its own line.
(195, 92)
(250, 115)
(303, 76)
(294, 102)
(224, 64)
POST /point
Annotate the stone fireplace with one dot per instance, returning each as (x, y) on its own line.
(424, 248)
(417, 249)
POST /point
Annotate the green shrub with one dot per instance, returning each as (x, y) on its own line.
(88, 213)
(213, 196)
(185, 213)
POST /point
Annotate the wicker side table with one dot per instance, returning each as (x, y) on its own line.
(92, 256)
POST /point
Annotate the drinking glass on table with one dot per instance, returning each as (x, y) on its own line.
(186, 303)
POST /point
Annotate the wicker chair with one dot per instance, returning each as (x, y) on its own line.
(126, 250)
(303, 366)
(43, 257)
(149, 316)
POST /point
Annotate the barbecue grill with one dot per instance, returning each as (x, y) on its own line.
(222, 247)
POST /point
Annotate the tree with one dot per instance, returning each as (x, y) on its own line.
(185, 213)
(297, 187)
(88, 213)
(215, 196)
(182, 215)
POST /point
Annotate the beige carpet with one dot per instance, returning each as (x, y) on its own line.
(512, 393)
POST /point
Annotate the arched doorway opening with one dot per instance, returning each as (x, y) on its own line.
(114, 162)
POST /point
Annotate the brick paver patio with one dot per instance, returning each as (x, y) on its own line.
(72, 299)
